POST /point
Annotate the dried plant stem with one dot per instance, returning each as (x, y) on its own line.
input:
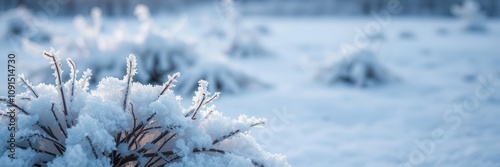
(73, 78)
(58, 123)
(59, 82)
(169, 82)
(92, 146)
(197, 107)
(28, 86)
(40, 151)
(133, 115)
(54, 140)
(159, 149)
(215, 96)
(129, 81)
(19, 108)
(234, 133)
(209, 113)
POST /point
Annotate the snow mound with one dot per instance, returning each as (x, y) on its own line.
(126, 123)
(358, 68)
(221, 74)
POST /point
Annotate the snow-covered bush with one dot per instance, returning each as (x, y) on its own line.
(244, 40)
(89, 29)
(163, 54)
(161, 51)
(359, 68)
(222, 75)
(126, 123)
(246, 43)
(20, 23)
(473, 19)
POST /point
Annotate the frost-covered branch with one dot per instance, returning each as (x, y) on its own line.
(56, 65)
(92, 146)
(72, 79)
(84, 81)
(168, 84)
(131, 71)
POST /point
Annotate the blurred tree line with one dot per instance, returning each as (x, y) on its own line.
(275, 7)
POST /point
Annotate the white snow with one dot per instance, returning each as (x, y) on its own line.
(105, 119)
(438, 67)
(473, 19)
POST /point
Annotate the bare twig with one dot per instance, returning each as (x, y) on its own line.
(58, 123)
(159, 149)
(133, 115)
(28, 85)
(209, 113)
(47, 130)
(54, 140)
(92, 146)
(150, 117)
(19, 108)
(233, 133)
(40, 151)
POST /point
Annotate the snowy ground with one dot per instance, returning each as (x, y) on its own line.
(320, 125)
(343, 126)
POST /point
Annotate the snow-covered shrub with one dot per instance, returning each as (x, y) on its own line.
(89, 29)
(161, 51)
(161, 55)
(359, 68)
(20, 23)
(246, 43)
(243, 40)
(99, 46)
(221, 74)
(126, 123)
(473, 19)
